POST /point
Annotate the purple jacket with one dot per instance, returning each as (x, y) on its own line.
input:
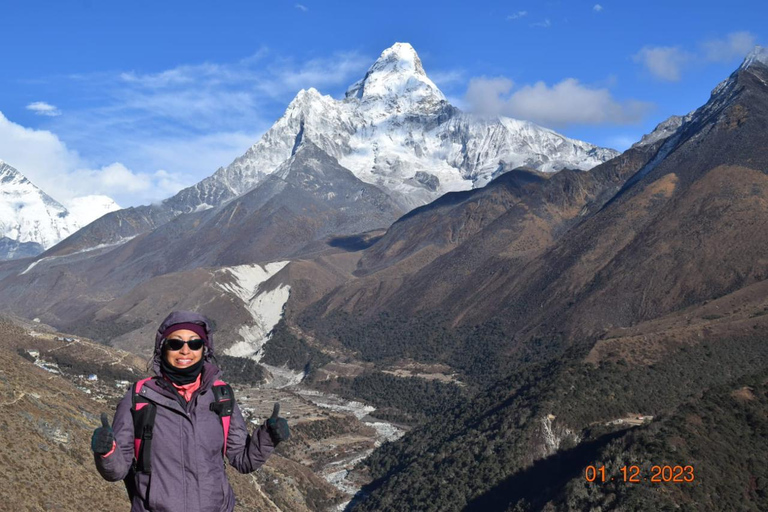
(188, 472)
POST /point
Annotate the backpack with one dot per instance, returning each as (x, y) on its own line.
(143, 412)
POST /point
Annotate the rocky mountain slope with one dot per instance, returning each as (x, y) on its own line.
(519, 214)
(31, 221)
(674, 215)
(309, 198)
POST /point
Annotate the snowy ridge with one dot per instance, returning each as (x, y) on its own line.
(663, 130)
(395, 129)
(759, 54)
(70, 255)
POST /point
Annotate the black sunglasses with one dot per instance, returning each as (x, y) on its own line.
(174, 344)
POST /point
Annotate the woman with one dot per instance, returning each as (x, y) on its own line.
(185, 472)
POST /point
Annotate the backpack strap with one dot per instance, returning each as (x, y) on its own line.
(223, 404)
(143, 412)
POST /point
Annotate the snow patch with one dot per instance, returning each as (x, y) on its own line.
(282, 377)
(89, 249)
(34, 263)
(555, 435)
(86, 209)
(202, 207)
(758, 54)
(265, 307)
(337, 404)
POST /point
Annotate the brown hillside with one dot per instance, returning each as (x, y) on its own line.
(690, 230)
(430, 253)
(48, 417)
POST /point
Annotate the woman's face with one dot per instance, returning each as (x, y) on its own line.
(184, 357)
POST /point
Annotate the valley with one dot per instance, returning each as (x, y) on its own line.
(455, 313)
(330, 435)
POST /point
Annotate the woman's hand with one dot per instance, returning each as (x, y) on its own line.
(277, 427)
(103, 437)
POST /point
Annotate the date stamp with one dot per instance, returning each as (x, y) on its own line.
(635, 474)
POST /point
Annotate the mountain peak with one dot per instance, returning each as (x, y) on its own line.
(401, 55)
(758, 54)
(9, 174)
(397, 74)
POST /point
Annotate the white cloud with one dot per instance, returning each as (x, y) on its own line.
(663, 62)
(302, 8)
(206, 73)
(459, 102)
(542, 24)
(42, 108)
(447, 78)
(517, 15)
(597, 8)
(114, 178)
(64, 175)
(117, 181)
(735, 45)
(38, 154)
(485, 95)
(254, 76)
(668, 62)
(337, 69)
(565, 103)
(206, 152)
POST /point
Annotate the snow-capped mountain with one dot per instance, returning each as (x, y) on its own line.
(31, 220)
(395, 129)
(86, 209)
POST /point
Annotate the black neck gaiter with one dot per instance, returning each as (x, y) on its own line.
(181, 376)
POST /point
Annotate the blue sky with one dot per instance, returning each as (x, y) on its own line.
(136, 99)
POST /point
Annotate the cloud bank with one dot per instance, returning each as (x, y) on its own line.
(64, 175)
(663, 62)
(667, 63)
(563, 104)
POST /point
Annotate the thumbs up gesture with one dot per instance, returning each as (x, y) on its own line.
(277, 427)
(103, 437)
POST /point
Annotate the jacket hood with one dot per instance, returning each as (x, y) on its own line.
(182, 317)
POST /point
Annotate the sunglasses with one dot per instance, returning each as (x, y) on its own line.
(173, 344)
